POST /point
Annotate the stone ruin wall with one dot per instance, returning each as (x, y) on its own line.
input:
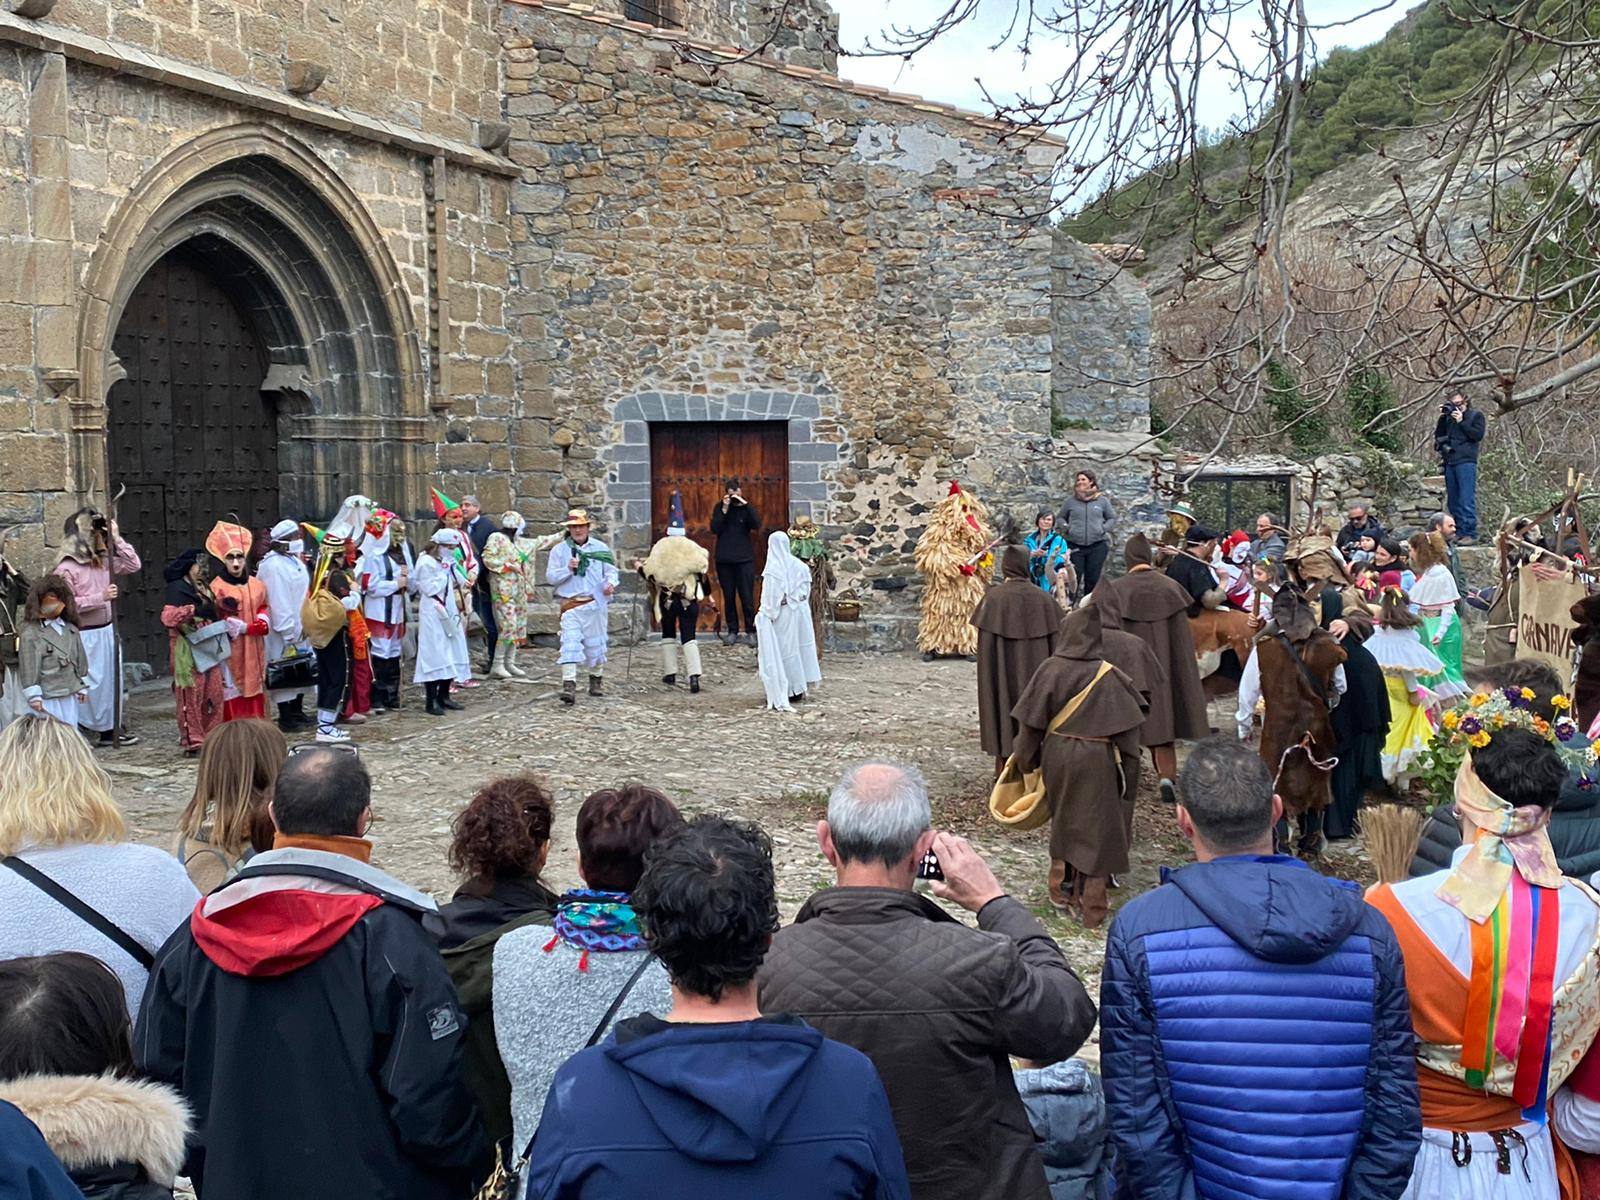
(752, 241)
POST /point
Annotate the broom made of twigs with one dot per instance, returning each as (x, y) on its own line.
(1391, 833)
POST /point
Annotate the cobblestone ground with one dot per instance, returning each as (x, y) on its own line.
(719, 751)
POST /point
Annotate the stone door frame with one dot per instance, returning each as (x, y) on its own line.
(315, 275)
(628, 456)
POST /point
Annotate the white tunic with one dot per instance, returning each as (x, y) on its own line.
(383, 599)
(583, 629)
(441, 632)
(287, 582)
(786, 644)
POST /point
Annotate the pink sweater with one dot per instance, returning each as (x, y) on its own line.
(89, 583)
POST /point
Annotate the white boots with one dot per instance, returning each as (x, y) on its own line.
(669, 661)
(691, 664)
(508, 655)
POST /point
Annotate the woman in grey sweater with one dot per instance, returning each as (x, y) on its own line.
(553, 984)
(1086, 521)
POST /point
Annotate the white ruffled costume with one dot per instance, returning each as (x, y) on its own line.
(583, 626)
(786, 644)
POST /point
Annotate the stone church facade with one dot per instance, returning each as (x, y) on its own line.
(257, 255)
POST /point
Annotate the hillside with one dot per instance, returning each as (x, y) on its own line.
(1357, 101)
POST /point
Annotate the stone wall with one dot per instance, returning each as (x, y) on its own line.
(754, 240)
(101, 139)
(430, 65)
(807, 37)
(1101, 366)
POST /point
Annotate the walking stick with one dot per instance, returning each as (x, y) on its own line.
(116, 632)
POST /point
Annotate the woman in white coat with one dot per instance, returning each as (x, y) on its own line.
(786, 645)
(441, 625)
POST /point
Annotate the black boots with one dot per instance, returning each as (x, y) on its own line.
(595, 685)
(439, 702)
(569, 691)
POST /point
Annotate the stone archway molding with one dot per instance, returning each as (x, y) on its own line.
(144, 217)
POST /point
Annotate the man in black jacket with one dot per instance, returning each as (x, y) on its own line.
(735, 522)
(937, 1006)
(1457, 438)
(308, 1020)
(479, 529)
(1362, 524)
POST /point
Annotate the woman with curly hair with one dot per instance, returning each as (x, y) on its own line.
(501, 840)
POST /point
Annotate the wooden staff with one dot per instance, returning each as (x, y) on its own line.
(116, 633)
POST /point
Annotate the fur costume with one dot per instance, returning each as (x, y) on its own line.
(103, 1121)
(1586, 684)
(952, 556)
(84, 536)
(676, 565)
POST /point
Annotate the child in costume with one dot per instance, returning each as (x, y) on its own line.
(240, 594)
(1435, 594)
(1405, 662)
(54, 669)
(953, 556)
(187, 607)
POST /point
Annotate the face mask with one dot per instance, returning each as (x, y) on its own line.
(297, 547)
(51, 609)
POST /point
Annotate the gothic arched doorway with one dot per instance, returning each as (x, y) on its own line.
(192, 435)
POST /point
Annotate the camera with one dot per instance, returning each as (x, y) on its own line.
(929, 867)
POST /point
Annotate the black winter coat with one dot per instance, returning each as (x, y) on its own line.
(320, 1048)
(938, 1007)
(476, 910)
(1458, 441)
(1574, 834)
(735, 529)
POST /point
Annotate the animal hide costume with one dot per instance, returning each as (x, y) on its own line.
(1155, 609)
(951, 556)
(1586, 685)
(1090, 762)
(1017, 625)
(676, 573)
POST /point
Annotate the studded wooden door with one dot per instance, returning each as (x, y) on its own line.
(191, 435)
(694, 459)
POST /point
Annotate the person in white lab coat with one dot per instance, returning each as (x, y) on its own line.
(441, 623)
(283, 572)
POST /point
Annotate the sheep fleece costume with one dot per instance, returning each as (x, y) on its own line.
(958, 529)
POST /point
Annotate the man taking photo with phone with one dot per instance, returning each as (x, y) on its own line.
(1456, 439)
(736, 523)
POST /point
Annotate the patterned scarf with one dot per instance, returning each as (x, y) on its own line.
(1510, 841)
(600, 921)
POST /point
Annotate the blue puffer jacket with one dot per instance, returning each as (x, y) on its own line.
(1256, 1039)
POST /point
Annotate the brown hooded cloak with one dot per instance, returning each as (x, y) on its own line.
(1017, 623)
(1126, 651)
(1155, 609)
(1091, 763)
(1293, 706)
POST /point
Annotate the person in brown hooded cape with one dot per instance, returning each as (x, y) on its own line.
(1298, 671)
(1126, 651)
(1090, 763)
(1155, 608)
(1017, 624)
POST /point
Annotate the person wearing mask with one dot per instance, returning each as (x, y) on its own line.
(53, 671)
(283, 572)
(1017, 626)
(500, 843)
(325, 616)
(198, 681)
(786, 655)
(226, 820)
(441, 622)
(1500, 952)
(583, 571)
(939, 1008)
(93, 554)
(66, 1062)
(1457, 438)
(308, 1020)
(715, 1097)
(1362, 524)
(736, 525)
(242, 598)
(1086, 521)
(69, 878)
(1253, 1013)
(385, 580)
(557, 986)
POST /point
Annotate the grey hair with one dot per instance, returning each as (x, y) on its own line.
(877, 811)
(1437, 521)
(1227, 792)
(472, 500)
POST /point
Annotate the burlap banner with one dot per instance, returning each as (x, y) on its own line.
(1544, 620)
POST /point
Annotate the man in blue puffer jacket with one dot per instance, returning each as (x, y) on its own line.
(1255, 1031)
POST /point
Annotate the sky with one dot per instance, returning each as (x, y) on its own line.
(949, 70)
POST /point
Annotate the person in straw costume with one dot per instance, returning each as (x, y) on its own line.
(1017, 625)
(952, 555)
(1502, 958)
(1090, 764)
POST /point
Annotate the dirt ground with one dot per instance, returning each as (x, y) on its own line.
(719, 751)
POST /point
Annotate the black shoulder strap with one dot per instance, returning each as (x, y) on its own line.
(84, 912)
(616, 1002)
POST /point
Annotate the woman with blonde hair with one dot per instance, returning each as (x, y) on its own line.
(226, 821)
(69, 878)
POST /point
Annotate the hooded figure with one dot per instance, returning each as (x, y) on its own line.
(1297, 669)
(805, 539)
(1090, 762)
(786, 648)
(239, 594)
(1126, 651)
(1017, 624)
(1360, 727)
(187, 607)
(92, 555)
(1155, 608)
(441, 621)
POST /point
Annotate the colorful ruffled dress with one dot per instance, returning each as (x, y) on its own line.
(1405, 662)
(1435, 596)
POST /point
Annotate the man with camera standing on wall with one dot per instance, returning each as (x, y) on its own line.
(1456, 439)
(736, 523)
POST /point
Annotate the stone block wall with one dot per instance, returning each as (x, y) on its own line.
(695, 243)
(428, 64)
(1101, 365)
(808, 35)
